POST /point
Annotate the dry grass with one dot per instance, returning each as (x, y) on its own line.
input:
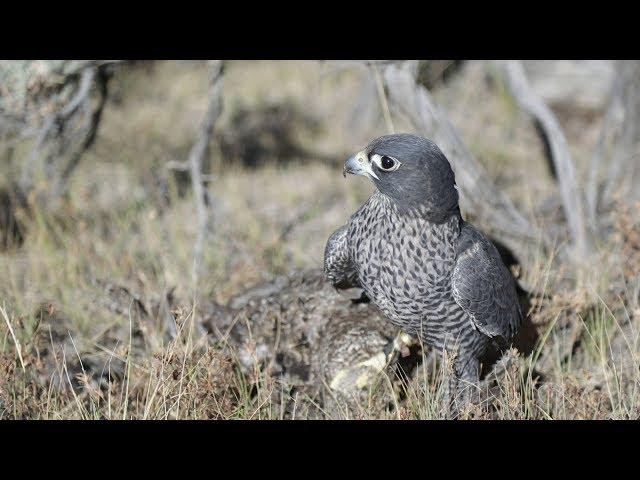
(65, 354)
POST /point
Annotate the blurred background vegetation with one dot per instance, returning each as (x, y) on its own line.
(98, 215)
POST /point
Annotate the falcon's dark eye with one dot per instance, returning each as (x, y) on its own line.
(387, 163)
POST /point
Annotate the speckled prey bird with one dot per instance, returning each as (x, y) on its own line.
(428, 271)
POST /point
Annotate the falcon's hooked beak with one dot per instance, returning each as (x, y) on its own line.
(359, 164)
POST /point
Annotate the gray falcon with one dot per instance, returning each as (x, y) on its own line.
(425, 268)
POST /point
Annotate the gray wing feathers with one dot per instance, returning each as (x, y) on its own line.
(483, 286)
(338, 267)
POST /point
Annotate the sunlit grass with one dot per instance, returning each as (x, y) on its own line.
(65, 354)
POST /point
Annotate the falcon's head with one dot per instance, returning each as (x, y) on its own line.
(410, 170)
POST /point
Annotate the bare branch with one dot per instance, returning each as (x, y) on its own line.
(58, 110)
(617, 145)
(382, 97)
(564, 168)
(197, 155)
(90, 133)
(57, 118)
